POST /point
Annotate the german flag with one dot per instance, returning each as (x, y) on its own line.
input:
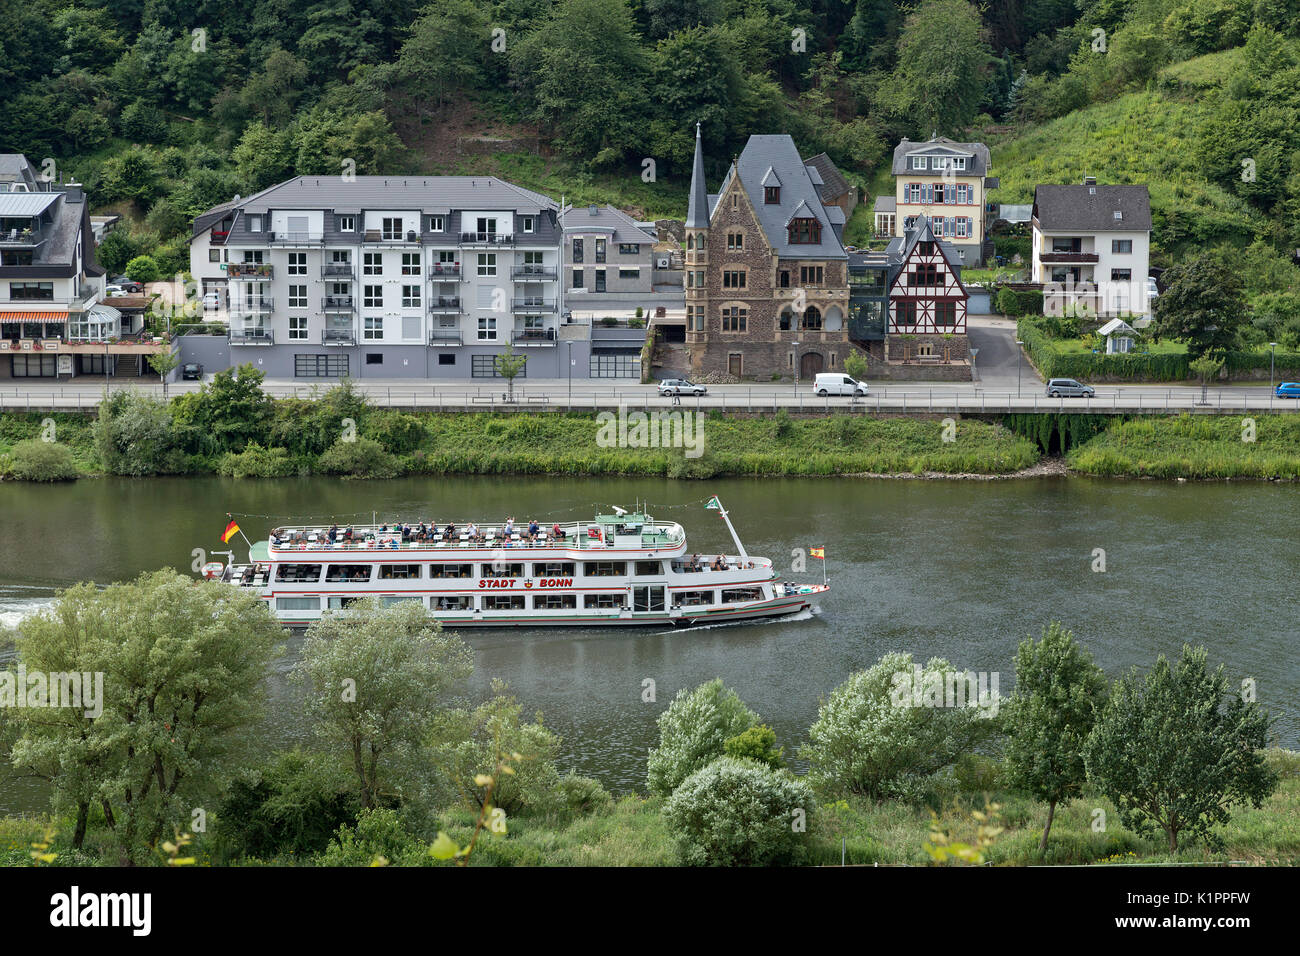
(232, 529)
(818, 553)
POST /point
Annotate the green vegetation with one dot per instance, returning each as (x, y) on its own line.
(1230, 446)
(37, 460)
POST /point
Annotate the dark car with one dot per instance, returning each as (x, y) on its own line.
(1069, 388)
(1288, 390)
(192, 372)
(127, 285)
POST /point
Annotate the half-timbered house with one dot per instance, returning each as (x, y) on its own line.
(927, 299)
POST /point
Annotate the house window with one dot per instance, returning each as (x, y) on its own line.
(945, 315)
(485, 366)
(783, 279)
(374, 327)
(912, 193)
(959, 162)
(487, 263)
(372, 296)
(31, 290)
(410, 263)
(805, 232)
(375, 358)
(297, 263)
(392, 227)
(600, 250)
(214, 255)
(320, 366)
(372, 263)
(735, 242)
(487, 227)
(297, 297)
(963, 227)
(437, 224)
(297, 327)
(254, 223)
(629, 273)
(733, 279)
(771, 195)
(812, 318)
(919, 162)
(577, 249)
(410, 297)
(528, 223)
(924, 275)
(347, 223)
(811, 275)
(447, 358)
(905, 314)
(629, 248)
(578, 280)
(735, 319)
(487, 331)
(1121, 275)
(1121, 246)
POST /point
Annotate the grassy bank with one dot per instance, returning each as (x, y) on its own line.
(632, 832)
(1194, 447)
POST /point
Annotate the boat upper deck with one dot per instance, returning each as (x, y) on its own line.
(603, 534)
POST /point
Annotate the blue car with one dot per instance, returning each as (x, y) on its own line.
(1288, 390)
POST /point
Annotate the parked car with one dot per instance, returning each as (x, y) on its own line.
(1153, 290)
(680, 386)
(211, 301)
(110, 290)
(1069, 388)
(1288, 390)
(836, 383)
(192, 372)
(129, 285)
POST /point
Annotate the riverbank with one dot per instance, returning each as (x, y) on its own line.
(1264, 447)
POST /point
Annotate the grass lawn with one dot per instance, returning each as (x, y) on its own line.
(1193, 447)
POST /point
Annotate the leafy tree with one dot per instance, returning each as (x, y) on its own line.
(227, 413)
(756, 743)
(183, 667)
(377, 677)
(1058, 693)
(264, 156)
(1175, 750)
(855, 365)
(665, 17)
(142, 269)
(508, 365)
(939, 77)
(1201, 306)
(694, 731)
(444, 54)
(699, 80)
(1205, 367)
(134, 436)
(871, 737)
(273, 92)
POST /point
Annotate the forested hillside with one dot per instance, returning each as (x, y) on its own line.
(165, 108)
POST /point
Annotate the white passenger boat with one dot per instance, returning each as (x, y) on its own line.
(618, 569)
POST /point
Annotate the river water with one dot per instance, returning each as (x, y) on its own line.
(961, 569)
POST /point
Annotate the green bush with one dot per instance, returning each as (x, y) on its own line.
(1018, 302)
(583, 795)
(693, 732)
(256, 462)
(736, 812)
(135, 436)
(397, 431)
(757, 744)
(37, 460)
(361, 458)
(378, 833)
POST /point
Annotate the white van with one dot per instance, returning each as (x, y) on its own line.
(836, 383)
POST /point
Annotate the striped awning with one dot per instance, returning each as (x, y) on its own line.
(33, 316)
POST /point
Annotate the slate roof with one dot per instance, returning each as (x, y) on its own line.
(833, 185)
(777, 153)
(437, 195)
(885, 204)
(1089, 208)
(698, 206)
(900, 248)
(621, 226)
(978, 160)
(14, 168)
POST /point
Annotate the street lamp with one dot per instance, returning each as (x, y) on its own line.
(569, 356)
(795, 343)
(1272, 354)
(1019, 361)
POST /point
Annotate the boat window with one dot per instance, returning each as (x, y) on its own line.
(553, 602)
(503, 602)
(604, 569)
(339, 573)
(553, 569)
(398, 572)
(451, 570)
(604, 600)
(649, 568)
(693, 598)
(735, 595)
(501, 569)
(298, 573)
(647, 599)
(297, 604)
(455, 603)
(340, 601)
(388, 600)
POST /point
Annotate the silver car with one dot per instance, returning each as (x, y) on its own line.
(1069, 388)
(680, 386)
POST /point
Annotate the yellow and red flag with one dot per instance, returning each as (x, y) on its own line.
(818, 553)
(232, 529)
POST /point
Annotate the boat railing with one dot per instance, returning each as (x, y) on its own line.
(731, 563)
(586, 536)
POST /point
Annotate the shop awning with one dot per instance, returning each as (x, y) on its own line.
(33, 316)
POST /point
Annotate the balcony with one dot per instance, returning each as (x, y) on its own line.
(286, 238)
(410, 237)
(251, 336)
(445, 304)
(487, 238)
(533, 337)
(337, 303)
(249, 270)
(336, 270)
(444, 270)
(252, 306)
(533, 272)
(445, 337)
(219, 236)
(21, 238)
(531, 303)
(1059, 257)
(343, 337)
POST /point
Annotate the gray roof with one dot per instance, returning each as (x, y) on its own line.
(26, 204)
(978, 161)
(606, 219)
(15, 168)
(1091, 208)
(698, 205)
(777, 154)
(429, 194)
(885, 204)
(900, 247)
(833, 185)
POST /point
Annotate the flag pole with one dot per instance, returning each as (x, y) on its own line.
(244, 536)
(824, 566)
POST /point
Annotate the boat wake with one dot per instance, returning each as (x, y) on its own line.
(805, 615)
(17, 604)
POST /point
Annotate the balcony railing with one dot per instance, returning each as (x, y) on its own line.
(377, 235)
(250, 270)
(444, 337)
(444, 270)
(337, 303)
(533, 304)
(533, 337)
(533, 272)
(445, 303)
(336, 270)
(338, 337)
(1057, 256)
(487, 238)
(21, 238)
(251, 337)
(253, 306)
(293, 238)
(219, 236)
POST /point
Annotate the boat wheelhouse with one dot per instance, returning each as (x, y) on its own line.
(618, 569)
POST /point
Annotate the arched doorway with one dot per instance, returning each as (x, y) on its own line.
(810, 363)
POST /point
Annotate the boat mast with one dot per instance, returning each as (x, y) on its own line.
(740, 548)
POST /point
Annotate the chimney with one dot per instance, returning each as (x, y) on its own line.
(593, 210)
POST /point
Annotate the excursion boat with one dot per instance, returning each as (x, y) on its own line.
(618, 569)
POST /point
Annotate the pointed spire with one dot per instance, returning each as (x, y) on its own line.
(697, 209)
